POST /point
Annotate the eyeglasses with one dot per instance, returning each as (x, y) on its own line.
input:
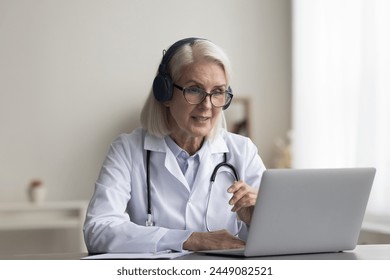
(196, 95)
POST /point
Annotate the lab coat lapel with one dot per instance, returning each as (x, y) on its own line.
(173, 167)
(212, 155)
(202, 179)
(155, 144)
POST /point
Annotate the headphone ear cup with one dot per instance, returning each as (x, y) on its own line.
(230, 101)
(227, 105)
(162, 88)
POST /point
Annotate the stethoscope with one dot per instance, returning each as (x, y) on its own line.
(149, 220)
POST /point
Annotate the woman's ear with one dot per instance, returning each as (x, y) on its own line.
(167, 104)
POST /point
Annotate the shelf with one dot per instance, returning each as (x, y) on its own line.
(38, 225)
(50, 215)
(49, 205)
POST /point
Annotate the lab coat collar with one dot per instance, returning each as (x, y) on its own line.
(156, 144)
(218, 145)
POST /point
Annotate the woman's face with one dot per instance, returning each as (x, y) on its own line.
(196, 120)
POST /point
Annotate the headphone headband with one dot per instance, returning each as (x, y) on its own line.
(168, 54)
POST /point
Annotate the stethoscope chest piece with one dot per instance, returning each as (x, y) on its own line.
(149, 221)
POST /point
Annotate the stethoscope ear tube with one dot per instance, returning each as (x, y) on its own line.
(212, 179)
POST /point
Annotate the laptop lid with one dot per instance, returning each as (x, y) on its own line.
(309, 211)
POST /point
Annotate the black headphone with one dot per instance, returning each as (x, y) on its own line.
(163, 84)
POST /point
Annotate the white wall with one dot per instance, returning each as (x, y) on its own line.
(74, 74)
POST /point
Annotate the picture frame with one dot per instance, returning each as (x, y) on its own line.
(238, 116)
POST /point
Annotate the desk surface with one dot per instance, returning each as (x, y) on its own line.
(362, 252)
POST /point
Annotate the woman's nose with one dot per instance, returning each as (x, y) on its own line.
(206, 103)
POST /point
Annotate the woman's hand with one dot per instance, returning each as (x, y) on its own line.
(213, 240)
(243, 200)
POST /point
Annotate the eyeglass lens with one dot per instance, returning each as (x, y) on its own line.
(197, 95)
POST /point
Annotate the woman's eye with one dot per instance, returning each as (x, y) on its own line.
(218, 92)
(195, 90)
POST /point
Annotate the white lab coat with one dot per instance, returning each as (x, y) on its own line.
(117, 212)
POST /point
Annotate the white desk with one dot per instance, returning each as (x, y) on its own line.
(362, 252)
(44, 216)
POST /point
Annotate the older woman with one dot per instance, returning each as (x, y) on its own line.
(181, 181)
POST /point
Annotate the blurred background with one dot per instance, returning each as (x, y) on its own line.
(310, 78)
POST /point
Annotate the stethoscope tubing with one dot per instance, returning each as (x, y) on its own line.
(149, 221)
(231, 167)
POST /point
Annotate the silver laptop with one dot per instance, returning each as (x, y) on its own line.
(302, 211)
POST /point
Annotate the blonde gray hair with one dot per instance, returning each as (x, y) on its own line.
(154, 115)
